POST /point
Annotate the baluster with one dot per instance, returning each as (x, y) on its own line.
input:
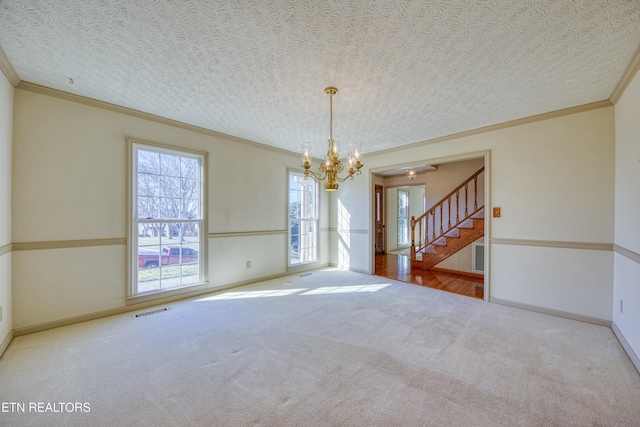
(449, 213)
(441, 208)
(413, 237)
(466, 200)
(457, 206)
(426, 230)
(475, 193)
(433, 230)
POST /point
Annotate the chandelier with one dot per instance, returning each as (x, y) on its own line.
(411, 174)
(331, 168)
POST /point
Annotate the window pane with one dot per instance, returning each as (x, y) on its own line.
(147, 207)
(190, 274)
(148, 185)
(295, 209)
(191, 235)
(169, 208)
(190, 209)
(169, 165)
(190, 168)
(170, 187)
(149, 235)
(148, 280)
(148, 162)
(189, 188)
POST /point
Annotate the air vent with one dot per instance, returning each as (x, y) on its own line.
(147, 313)
(477, 258)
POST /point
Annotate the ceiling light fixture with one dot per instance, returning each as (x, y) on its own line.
(331, 168)
(411, 174)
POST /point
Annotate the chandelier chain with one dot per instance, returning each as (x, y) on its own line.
(331, 116)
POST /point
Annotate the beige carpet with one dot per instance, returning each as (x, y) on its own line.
(333, 348)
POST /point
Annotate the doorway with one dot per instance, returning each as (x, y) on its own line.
(437, 179)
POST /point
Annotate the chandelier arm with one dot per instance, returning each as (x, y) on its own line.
(315, 176)
(348, 176)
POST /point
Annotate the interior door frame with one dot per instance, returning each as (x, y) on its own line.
(379, 211)
(486, 155)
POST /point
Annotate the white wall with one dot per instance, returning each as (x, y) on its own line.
(449, 175)
(554, 180)
(627, 206)
(70, 183)
(6, 102)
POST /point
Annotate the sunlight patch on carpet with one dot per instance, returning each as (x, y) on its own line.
(347, 289)
(252, 294)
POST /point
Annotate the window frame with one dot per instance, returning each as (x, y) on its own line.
(289, 219)
(133, 296)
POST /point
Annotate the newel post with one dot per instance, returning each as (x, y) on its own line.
(413, 238)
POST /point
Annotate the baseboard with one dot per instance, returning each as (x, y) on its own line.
(6, 342)
(553, 312)
(304, 268)
(458, 273)
(355, 270)
(625, 345)
(142, 305)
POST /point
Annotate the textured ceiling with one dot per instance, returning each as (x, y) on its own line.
(407, 71)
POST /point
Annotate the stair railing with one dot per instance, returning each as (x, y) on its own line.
(427, 224)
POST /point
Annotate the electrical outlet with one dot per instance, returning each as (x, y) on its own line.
(621, 307)
(248, 264)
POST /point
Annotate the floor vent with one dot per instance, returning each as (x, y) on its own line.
(305, 274)
(477, 258)
(147, 313)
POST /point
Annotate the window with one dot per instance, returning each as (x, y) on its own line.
(303, 219)
(403, 217)
(167, 219)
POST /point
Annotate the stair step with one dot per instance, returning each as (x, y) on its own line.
(467, 223)
(479, 214)
(442, 241)
(454, 232)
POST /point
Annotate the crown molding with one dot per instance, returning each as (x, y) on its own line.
(8, 69)
(43, 90)
(627, 76)
(491, 128)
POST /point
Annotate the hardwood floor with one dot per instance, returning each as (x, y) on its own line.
(398, 267)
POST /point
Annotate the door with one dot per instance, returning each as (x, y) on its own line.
(379, 219)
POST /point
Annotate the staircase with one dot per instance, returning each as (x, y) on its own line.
(434, 246)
